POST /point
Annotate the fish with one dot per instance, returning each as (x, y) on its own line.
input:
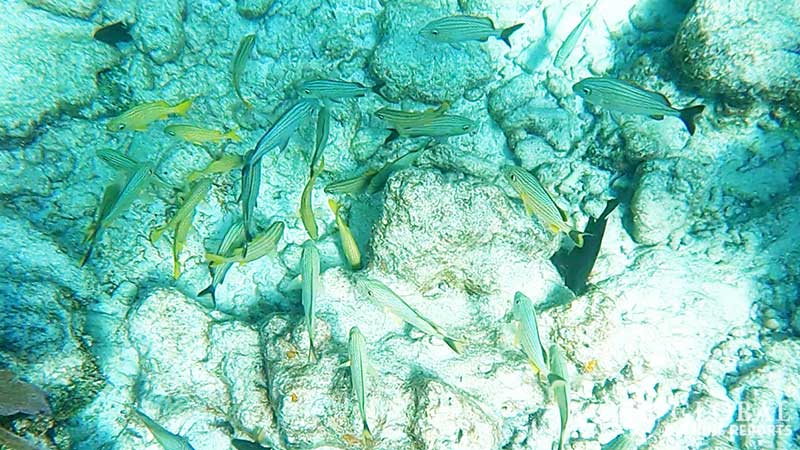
(355, 185)
(311, 285)
(359, 365)
(378, 181)
(558, 380)
(626, 97)
(241, 444)
(251, 183)
(239, 62)
(537, 201)
(117, 198)
(572, 39)
(279, 133)
(399, 118)
(383, 297)
(179, 241)
(224, 163)
(169, 441)
(576, 265)
(198, 135)
(198, 192)
(460, 28)
(323, 89)
(349, 245)
(140, 116)
(262, 245)
(437, 127)
(306, 209)
(623, 441)
(233, 238)
(322, 133)
(117, 160)
(528, 332)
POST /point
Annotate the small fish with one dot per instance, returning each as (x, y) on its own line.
(306, 209)
(179, 242)
(233, 238)
(399, 118)
(117, 198)
(309, 262)
(224, 163)
(335, 89)
(140, 116)
(438, 127)
(251, 183)
(199, 191)
(198, 135)
(241, 444)
(169, 441)
(576, 266)
(385, 298)
(117, 160)
(239, 62)
(322, 133)
(622, 442)
(378, 181)
(349, 245)
(455, 29)
(359, 364)
(355, 185)
(278, 135)
(625, 97)
(537, 201)
(558, 380)
(572, 39)
(262, 245)
(528, 332)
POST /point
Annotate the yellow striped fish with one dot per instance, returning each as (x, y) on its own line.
(437, 127)
(233, 238)
(179, 241)
(224, 163)
(262, 245)
(399, 118)
(528, 332)
(117, 160)
(559, 381)
(572, 39)
(359, 367)
(335, 89)
(625, 97)
(251, 183)
(349, 245)
(455, 29)
(537, 201)
(311, 286)
(239, 62)
(199, 135)
(198, 192)
(354, 185)
(140, 116)
(306, 209)
(278, 135)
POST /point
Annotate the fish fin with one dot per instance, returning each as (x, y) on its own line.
(506, 33)
(395, 318)
(312, 354)
(366, 435)
(334, 205)
(155, 235)
(657, 116)
(455, 344)
(181, 108)
(176, 268)
(610, 207)
(232, 136)
(343, 365)
(527, 203)
(87, 255)
(577, 237)
(214, 259)
(689, 114)
(536, 370)
(553, 228)
(517, 334)
(209, 290)
(377, 89)
(392, 136)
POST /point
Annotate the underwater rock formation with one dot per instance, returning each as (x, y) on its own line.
(75, 8)
(253, 9)
(158, 30)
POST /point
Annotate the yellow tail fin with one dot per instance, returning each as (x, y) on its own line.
(334, 205)
(232, 136)
(182, 107)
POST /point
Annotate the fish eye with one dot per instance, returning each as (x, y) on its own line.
(513, 177)
(466, 127)
(121, 126)
(587, 91)
(435, 32)
(171, 133)
(307, 91)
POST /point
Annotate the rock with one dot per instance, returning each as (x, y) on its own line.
(415, 68)
(709, 48)
(466, 233)
(159, 29)
(35, 85)
(253, 9)
(74, 8)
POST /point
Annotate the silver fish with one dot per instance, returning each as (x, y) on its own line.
(238, 64)
(169, 441)
(306, 209)
(359, 364)
(537, 201)
(625, 97)
(385, 298)
(335, 89)
(322, 133)
(437, 127)
(559, 381)
(378, 181)
(572, 39)
(399, 118)
(233, 238)
(251, 183)
(528, 332)
(621, 442)
(278, 135)
(117, 160)
(466, 28)
(262, 245)
(354, 185)
(311, 285)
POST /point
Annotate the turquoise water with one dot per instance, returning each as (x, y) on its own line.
(552, 224)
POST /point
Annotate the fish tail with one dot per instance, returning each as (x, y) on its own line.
(688, 116)
(334, 205)
(182, 107)
(232, 136)
(506, 33)
(377, 89)
(394, 135)
(456, 345)
(155, 235)
(176, 267)
(214, 259)
(312, 354)
(577, 237)
(366, 435)
(209, 290)
(87, 255)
